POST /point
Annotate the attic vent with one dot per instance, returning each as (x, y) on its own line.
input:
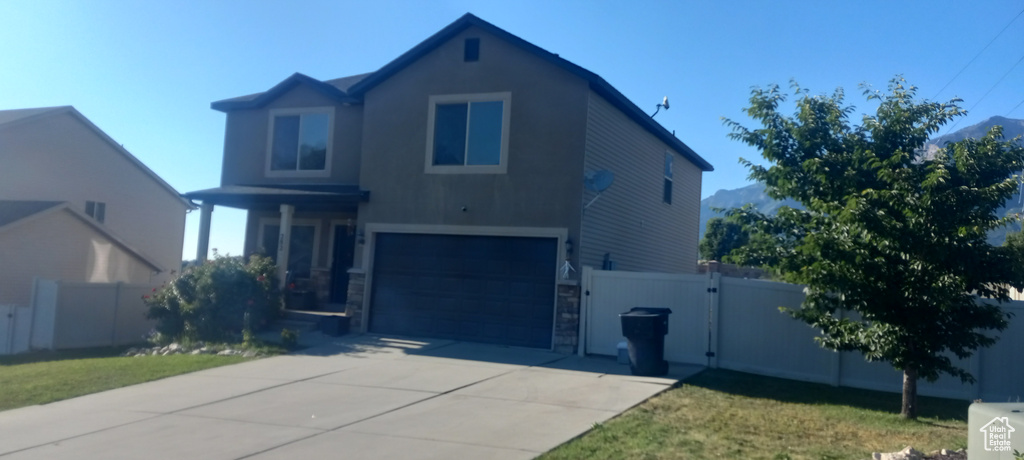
(472, 51)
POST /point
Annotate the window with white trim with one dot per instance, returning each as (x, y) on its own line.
(468, 133)
(302, 245)
(667, 191)
(299, 142)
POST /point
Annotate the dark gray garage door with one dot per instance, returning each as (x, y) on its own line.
(474, 288)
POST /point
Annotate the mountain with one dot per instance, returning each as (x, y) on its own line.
(754, 193)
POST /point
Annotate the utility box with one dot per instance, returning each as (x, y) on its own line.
(995, 430)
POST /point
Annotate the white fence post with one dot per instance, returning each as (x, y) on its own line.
(585, 283)
(837, 361)
(714, 284)
(6, 329)
(113, 318)
(44, 313)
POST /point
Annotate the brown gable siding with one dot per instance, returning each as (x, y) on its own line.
(245, 141)
(546, 136)
(630, 221)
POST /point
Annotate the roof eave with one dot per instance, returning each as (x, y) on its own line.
(597, 83)
(261, 100)
(630, 109)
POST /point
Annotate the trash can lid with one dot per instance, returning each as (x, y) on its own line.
(651, 310)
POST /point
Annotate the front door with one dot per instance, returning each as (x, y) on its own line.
(341, 260)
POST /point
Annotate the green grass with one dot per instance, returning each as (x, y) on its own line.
(48, 376)
(724, 414)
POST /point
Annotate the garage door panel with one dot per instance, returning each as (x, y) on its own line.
(476, 288)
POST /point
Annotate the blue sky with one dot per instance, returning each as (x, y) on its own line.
(145, 71)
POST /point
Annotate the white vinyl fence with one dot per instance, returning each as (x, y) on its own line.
(15, 324)
(736, 324)
(76, 315)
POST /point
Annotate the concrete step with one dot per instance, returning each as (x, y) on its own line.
(295, 324)
(312, 316)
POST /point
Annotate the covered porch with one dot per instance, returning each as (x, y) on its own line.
(319, 224)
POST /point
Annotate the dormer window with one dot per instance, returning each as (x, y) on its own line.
(300, 142)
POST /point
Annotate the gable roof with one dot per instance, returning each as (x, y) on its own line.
(20, 116)
(12, 211)
(351, 89)
(334, 89)
(598, 84)
(16, 212)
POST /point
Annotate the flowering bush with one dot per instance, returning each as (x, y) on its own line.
(218, 300)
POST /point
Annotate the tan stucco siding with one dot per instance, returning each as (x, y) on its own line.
(543, 183)
(246, 137)
(59, 158)
(630, 221)
(59, 246)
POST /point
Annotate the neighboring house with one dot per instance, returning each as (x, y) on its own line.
(54, 240)
(76, 206)
(440, 195)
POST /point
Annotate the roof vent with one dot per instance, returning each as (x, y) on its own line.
(472, 50)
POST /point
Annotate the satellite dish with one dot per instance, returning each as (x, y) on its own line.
(597, 181)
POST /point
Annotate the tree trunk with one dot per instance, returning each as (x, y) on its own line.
(909, 410)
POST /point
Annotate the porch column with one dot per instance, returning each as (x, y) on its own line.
(282, 242)
(205, 214)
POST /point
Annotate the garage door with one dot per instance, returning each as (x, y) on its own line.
(474, 288)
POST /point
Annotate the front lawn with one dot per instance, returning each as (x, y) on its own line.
(725, 414)
(47, 376)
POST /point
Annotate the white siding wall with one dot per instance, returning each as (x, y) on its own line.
(630, 221)
(59, 158)
(60, 246)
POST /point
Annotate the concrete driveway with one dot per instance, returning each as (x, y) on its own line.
(355, 397)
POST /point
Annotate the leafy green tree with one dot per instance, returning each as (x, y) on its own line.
(896, 239)
(721, 236)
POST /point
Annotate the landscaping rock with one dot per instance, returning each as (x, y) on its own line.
(196, 352)
(908, 453)
(946, 454)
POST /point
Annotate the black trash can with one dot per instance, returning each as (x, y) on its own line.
(645, 329)
(334, 325)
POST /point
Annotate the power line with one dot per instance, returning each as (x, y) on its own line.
(989, 90)
(979, 54)
(1014, 108)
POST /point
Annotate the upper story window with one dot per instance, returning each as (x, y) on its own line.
(300, 142)
(97, 210)
(468, 133)
(667, 192)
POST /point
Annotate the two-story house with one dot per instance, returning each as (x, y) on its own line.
(443, 195)
(76, 206)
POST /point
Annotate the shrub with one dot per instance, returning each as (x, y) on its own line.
(218, 300)
(289, 338)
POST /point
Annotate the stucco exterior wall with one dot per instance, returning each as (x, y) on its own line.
(543, 183)
(59, 246)
(59, 158)
(630, 221)
(246, 137)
